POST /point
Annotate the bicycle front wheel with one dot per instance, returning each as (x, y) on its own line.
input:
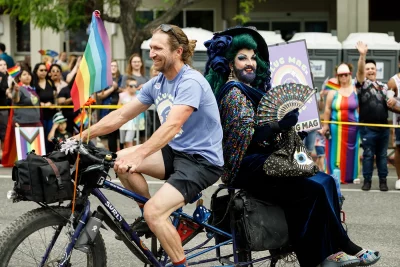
(25, 241)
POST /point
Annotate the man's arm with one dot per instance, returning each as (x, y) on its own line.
(178, 115)
(362, 49)
(114, 120)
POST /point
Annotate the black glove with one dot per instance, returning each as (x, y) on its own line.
(302, 134)
(289, 120)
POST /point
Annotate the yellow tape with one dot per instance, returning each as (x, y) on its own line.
(362, 124)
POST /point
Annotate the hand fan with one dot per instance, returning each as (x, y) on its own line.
(280, 100)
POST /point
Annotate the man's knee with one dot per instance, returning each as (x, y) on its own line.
(152, 214)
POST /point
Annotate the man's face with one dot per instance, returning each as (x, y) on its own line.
(370, 71)
(160, 52)
(3, 66)
(245, 66)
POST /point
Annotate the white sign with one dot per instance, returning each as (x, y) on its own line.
(379, 70)
(318, 68)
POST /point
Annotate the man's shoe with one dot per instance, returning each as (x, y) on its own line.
(366, 186)
(397, 185)
(383, 186)
(140, 227)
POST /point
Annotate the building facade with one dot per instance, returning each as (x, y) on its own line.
(23, 41)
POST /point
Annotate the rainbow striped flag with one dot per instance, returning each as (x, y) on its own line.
(28, 139)
(331, 86)
(77, 119)
(94, 73)
(48, 52)
(14, 71)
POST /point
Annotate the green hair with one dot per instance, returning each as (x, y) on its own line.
(217, 80)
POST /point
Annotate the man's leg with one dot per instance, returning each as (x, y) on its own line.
(153, 166)
(367, 139)
(382, 140)
(157, 211)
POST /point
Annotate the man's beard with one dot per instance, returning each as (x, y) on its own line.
(243, 76)
(166, 64)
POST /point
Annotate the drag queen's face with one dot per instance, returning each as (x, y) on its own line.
(245, 65)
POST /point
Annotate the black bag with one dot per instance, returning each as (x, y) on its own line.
(43, 179)
(259, 225)
(291, 159)
(220, 215)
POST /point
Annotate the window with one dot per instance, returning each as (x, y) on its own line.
(23, 36)
(288, 29)
(144, 17)
(200, 19)
(78, 39)
(316, 26)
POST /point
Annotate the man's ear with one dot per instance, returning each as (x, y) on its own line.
(179, 50)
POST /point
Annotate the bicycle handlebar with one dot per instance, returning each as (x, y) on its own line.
(108, 163)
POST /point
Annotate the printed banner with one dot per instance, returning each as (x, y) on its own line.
(290, 64)
(28, 139)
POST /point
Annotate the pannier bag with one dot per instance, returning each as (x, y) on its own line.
(259, 225)
(44, 179)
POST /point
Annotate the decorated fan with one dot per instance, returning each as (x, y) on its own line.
(280, 100)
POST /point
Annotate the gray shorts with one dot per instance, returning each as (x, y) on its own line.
(189, 173)
(126, 136)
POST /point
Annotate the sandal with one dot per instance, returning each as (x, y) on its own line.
(368, 257)
(340, 259)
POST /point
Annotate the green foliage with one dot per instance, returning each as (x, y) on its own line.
(245, 7)
(58, 15)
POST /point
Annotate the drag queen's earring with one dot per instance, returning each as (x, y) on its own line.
(230, 77)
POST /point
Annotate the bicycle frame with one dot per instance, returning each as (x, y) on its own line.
(165, 262)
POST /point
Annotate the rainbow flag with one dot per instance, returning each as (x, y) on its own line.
(94, 73)
(48, 52)
(14, 71)
(331, 86)
(77, 119)
(28, 139)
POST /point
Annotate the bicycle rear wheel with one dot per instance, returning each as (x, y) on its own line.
(24, 242)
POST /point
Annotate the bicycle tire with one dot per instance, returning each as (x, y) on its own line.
(30, 224)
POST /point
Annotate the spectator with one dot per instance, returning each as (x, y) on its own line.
(62, 61)
(110, 97)
(153, 72)
(59, 129)
(74, 70)
(47, 95)
(3, 102)
(55, 75)
(394, 84)
(343, 146)
(3, 55)
(64, 99)
(3, 66)
(373, 109)
(135, 69)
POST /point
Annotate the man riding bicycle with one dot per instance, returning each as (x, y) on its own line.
(186, 150)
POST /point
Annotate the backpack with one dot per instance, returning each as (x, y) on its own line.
(44, 179)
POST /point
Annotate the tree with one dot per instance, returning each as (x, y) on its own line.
(62, 15)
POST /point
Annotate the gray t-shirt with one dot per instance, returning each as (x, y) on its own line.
(27, 97)
(202, 132)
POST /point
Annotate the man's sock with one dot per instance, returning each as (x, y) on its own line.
(182, 263)
(141, 207)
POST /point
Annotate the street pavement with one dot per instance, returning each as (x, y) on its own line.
(373, 218)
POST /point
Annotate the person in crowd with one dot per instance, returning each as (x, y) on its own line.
(7, 58)
(153, 121)
(110, 96)
(128, 130)
(64, 99)
(55, 75)
(343, 146)
(3, 66)
(3, 102)
(239, 73)
(373, 109)
(320, 143)
(47, 95)
(71, 75)
(394, 84)
(153, 72)
(185, 151)
(136, 70)
(62, 61)
(59, 129)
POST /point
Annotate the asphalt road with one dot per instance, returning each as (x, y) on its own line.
(373, 219)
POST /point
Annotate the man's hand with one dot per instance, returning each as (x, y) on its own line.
(128, 160)
(362, 48)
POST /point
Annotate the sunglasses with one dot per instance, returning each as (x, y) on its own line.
(344, 74)
(167, 28)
